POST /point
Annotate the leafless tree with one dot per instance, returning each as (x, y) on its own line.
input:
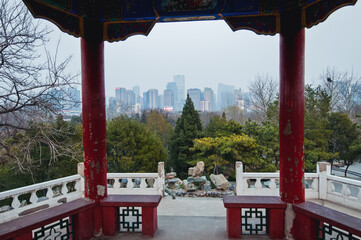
(263, 91)
(33, 83)
(344, 89)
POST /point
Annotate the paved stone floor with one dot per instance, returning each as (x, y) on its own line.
(199, 219)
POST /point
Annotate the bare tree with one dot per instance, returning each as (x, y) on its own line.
(263, 91)
(344, 89)
(30, 90)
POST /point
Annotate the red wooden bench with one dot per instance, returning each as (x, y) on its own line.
(310, 215)
(273, 205)
(110, 208)
(81, 210)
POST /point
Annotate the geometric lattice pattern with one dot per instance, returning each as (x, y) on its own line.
(254, 221)
(130, 219)
(60, 230)
(329, 232)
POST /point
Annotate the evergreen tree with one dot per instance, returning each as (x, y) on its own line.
(188, 128)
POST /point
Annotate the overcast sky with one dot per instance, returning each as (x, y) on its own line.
(209, 52)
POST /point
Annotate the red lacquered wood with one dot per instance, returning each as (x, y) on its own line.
(253, 202)
(84, 225)
(110, 221)
(25, 236)
(234, 222)
(24, 225)
(328, 215)
(304, 227)
(149, 221)
(276, 222)
(94, 131)
(291, 116)
(131, 201)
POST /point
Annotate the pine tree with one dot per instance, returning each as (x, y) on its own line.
(188, 128)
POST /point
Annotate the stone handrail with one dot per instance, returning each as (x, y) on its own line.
(133, 183)
(267, 184)
(319, 185)
(24, 200)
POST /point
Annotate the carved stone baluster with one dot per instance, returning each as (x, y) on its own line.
(130, 184)
(64, 189)
(272, 184)
(33, 197)
(50, 193)
(331, 187)
(116, 184)
(258, 184)
(15, 203)
(77, 185)
(345, 190)
(143, 184)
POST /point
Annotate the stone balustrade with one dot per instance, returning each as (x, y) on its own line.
(25, 200)
(137, 183)
(319, 185)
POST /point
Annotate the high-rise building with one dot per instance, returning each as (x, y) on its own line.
(153, 99)
(180, 95)
(136, 90)
(208, 95)
(121, 96)
(168, 98)
(112, 104)
(195, 95)
(225, 96)
(130, 97)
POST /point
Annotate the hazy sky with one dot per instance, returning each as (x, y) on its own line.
(208, 53)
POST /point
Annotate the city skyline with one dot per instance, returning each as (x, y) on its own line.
(208, 53)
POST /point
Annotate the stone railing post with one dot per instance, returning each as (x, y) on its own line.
(323, 170)
(239, 178)
(81, 173)
(161, 177)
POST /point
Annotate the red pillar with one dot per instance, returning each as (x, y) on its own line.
(94, 129)
(292, 104)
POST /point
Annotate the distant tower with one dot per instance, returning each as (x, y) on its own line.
(195, 95)
(209, 97)
(225, 96)
(180, 96)
(136, 90)
(153, 98)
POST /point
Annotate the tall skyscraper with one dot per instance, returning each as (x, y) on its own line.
(130, 97)
(153, 99)
(168, 98)
(121, 96)
(136, 90)
(208, 96)
(225, 95)
(195, 95)
(180, 96)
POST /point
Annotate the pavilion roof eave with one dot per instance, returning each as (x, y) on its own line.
(118, 20)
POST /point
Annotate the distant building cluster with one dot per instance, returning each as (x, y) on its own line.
(172, 99)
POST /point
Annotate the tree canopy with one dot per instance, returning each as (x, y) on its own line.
(132, 147)
(188, 127)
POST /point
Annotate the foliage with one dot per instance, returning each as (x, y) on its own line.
(157, 123)
(317, 107)
(225, 150)
(266, 136)
(345, 138)
(44, 152)
(132, 147)
(188, 127)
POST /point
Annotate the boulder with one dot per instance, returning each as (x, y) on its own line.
(198, 169)
(190, 171)
(220, 181)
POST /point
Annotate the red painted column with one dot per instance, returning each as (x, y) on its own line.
(94, 120)
(292, 105)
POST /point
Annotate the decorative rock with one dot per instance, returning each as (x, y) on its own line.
(198, 169)
(197, 179)
(220, 181)
(190, 171)
(171, 174)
